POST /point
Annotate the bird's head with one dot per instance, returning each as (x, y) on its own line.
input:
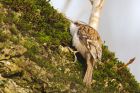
(77, 23)
(80, 23)
(74, 26)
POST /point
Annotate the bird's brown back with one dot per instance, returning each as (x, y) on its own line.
(89, 32)
(91, 40)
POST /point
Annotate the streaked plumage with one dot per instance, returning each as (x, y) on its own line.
(88, 42)
(86, 39)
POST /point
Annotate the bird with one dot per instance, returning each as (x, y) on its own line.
(88, 43)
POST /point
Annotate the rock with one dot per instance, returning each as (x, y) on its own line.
(34, 54)
(12, 87)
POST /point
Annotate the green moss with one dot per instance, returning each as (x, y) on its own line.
(3, 36)
(14, 30)
(31, 37)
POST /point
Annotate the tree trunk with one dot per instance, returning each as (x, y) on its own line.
(95, 13)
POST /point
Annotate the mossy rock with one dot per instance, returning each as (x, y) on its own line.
(34, 56)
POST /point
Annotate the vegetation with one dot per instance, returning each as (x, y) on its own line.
(34, 57)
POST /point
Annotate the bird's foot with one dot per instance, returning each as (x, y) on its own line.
(74, 52)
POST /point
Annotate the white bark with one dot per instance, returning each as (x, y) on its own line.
(95, 13)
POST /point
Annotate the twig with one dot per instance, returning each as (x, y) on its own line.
(125, 65)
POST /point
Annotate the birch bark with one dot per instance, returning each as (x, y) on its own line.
(95, 13)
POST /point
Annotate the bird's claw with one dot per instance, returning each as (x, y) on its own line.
(74, 52)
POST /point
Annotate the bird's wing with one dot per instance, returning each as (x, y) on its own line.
(91, 39)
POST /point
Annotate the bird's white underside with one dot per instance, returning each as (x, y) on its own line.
(76, 42)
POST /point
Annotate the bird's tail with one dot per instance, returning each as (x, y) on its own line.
(89, 72)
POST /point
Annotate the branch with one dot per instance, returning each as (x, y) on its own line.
(101, 4)
(95, 13)
(91, 1)
(97, 3)
(125, 65)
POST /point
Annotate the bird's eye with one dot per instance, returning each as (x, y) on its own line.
(76, 23)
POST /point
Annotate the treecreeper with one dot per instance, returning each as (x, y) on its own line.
(88, 42)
